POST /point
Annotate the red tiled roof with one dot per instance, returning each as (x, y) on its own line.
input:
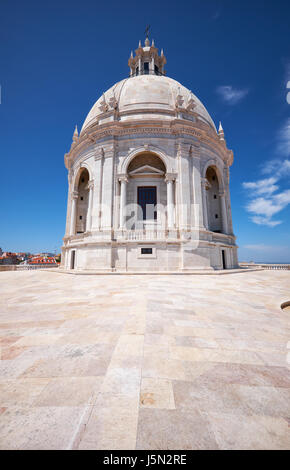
(42, 260)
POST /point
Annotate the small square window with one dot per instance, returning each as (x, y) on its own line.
(82, 198)
(81, 217)
(214, 196)
(216, 216)
(146, 251)
(83, 180)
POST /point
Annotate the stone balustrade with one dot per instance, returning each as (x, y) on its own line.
(272, 267)
(140, 235)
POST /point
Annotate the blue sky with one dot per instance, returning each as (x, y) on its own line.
(58, 57)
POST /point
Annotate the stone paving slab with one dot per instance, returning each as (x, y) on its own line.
(144, 361)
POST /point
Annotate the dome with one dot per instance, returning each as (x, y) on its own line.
(136, 96)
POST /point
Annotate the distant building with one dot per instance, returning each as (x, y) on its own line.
(42, 260)
(8, 258)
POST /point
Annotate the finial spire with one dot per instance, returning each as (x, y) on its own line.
(221, 132)
(75, 134)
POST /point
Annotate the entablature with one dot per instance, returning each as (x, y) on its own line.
(177, 128)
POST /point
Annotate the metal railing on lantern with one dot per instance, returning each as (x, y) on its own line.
(147, 72)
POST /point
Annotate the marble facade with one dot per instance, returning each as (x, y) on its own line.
(148, 131)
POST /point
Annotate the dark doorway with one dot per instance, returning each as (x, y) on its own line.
(147, 196)
(73, 257)
(224, 259)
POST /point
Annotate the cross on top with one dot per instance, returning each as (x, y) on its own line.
(146, 32)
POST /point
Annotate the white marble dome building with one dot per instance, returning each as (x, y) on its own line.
(148, 179)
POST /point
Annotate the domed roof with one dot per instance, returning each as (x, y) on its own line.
(136, 96)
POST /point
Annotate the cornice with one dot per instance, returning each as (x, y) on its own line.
(177, 127)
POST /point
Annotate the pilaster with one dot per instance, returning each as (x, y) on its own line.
(184, 206)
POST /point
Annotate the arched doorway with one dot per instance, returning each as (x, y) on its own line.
(213, 203)
(82, 201)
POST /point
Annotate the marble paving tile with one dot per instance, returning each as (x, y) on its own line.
(236, 432)
(87, 336)
(214, 355)
(36, 340)
(69, 391)
(66, 367)
(8, 340)
(156, 367)
(14, 367)
(174, 429)
(122, 381)
(243, 374)
(11, 352)
(192, 342)
(110, 429)
(22, 392)
(130, 345)
(156, 393)
(36, 428)
(215, 397)
(269, 401)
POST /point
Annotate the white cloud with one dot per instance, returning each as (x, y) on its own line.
(266, 186)
(278, 167)
(264, 200)
(264, 208)
(258, 220)
(231, 95)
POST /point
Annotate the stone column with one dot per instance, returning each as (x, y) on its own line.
(204, 203)
(73, 212)
(224, 212)
(152, 64)
(89, 213)
(69, 202)
(170, 202)
(228, 199)
(123, 200)
(184, 184)
(199, 223)
(108, 190)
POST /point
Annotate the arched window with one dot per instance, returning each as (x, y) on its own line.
(82, 201)
(214, 212)
(146, 188)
